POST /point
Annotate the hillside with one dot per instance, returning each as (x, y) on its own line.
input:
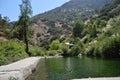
(46, 31)
(58, 21)
(72, 10)
(99, 35)
(110, 10)
(103, 32)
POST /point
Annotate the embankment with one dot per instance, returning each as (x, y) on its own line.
(19, 70)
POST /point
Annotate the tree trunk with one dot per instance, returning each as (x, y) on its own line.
(26, 41)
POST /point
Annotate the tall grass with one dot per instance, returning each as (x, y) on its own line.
(11, 51)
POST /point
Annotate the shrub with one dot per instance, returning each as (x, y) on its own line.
(64, 48)
(54, 45)
(12, 51)
(108, 47)
(75, 51)
(37, 51)
(52, 52)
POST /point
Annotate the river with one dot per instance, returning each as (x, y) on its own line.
(75, 68)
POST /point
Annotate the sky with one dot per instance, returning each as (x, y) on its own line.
(10, 8)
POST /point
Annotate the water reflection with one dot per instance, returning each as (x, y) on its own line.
(68, 65)
(70, 68)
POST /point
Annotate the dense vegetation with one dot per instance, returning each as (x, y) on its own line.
(11, 51)
(102, 33)
(108, 42)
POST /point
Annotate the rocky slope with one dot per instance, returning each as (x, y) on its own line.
(56, 23)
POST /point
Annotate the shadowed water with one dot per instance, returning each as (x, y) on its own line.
(72, 68)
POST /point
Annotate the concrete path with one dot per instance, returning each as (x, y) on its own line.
(19, 70)
(106, 78)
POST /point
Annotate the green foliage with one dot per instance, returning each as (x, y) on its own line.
(104, 43)
(75, 51)
(108, 42)
(64, 48)
(3, 60)
(77, 29)
(110, 10)
(108, 47)
(11, 51)
(57, 48)
(54, 45)
(94, 28)
(52, 52)
(100, 23)
(37, 51)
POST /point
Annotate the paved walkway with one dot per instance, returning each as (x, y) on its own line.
(106, 78)
(19, 70)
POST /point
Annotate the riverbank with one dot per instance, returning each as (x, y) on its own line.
(106, 78)
(19, 70)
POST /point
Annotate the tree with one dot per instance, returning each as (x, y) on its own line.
(77, 29)
(24, 20)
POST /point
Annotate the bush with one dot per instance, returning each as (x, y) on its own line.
(54, 45)
(52, 52)
(12, 51)
(37, 51)
(75, 51)
(64, 48)
(108, 47)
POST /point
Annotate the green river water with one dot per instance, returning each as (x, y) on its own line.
(74, 68)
